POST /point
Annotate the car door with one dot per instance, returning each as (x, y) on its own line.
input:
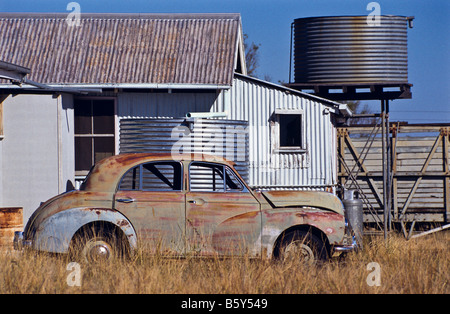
(222, 215)
(151, 197)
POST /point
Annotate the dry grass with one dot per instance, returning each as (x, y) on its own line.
(416, 266)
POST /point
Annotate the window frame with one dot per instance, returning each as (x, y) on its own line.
(141, 178)
(94, 135)
(277, 134)
(224, 172)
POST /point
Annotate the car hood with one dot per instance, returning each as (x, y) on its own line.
(322, 200)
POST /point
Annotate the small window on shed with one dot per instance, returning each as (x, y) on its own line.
(289, 131)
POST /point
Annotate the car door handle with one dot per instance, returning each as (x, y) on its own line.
(125, 200)
(197, 201)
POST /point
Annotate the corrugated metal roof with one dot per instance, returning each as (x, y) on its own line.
(123, 48)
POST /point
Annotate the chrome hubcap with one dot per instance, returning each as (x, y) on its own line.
(100, 251)
(97, 251)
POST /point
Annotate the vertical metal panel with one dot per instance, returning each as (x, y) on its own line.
(255, 102)
(224, 138)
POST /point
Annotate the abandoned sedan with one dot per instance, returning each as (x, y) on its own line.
(184, 206)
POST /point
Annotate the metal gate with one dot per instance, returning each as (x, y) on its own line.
(420, 176)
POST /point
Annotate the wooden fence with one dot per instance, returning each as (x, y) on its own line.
(419, 171)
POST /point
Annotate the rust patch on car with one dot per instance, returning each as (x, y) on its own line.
(319, 216)
(122, 223)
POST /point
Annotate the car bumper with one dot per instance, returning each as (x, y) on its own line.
(20, 243)
(347, 247)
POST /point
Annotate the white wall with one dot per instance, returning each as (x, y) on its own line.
(32, 151)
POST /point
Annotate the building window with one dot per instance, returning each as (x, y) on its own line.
(289, 131)
(94, 132)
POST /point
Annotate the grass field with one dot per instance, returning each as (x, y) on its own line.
(398, 266)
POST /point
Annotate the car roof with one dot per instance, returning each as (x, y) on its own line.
(104, 175)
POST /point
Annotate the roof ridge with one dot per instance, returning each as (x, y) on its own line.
(156, 16)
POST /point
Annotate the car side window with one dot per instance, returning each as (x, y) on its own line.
(153, 176)
(207, 177)
(130, 181)
(232, 182)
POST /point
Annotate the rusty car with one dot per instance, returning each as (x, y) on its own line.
(186, 205)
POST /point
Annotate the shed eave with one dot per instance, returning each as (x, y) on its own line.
(125, 86)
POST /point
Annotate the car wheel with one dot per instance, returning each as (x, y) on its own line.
(301, 246)
(96, 246)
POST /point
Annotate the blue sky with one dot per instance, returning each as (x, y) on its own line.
(268, 23)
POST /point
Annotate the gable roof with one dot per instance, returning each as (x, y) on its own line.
(124, 48)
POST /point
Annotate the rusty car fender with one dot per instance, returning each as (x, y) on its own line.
(55, 233)
(277, 221)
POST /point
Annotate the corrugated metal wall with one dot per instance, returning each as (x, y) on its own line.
(252, 101)
(256, 103)
(223, 138)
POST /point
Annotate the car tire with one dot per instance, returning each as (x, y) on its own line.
(303, 247)
(96, 246)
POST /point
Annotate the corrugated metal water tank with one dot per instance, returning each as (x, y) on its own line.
(225, 138)
(348, 49)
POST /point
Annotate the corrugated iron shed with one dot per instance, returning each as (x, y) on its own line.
(124, 48)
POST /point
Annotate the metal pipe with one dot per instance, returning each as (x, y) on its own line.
(387, 179)
(206, 114)
(383, 154)
(290, 55)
